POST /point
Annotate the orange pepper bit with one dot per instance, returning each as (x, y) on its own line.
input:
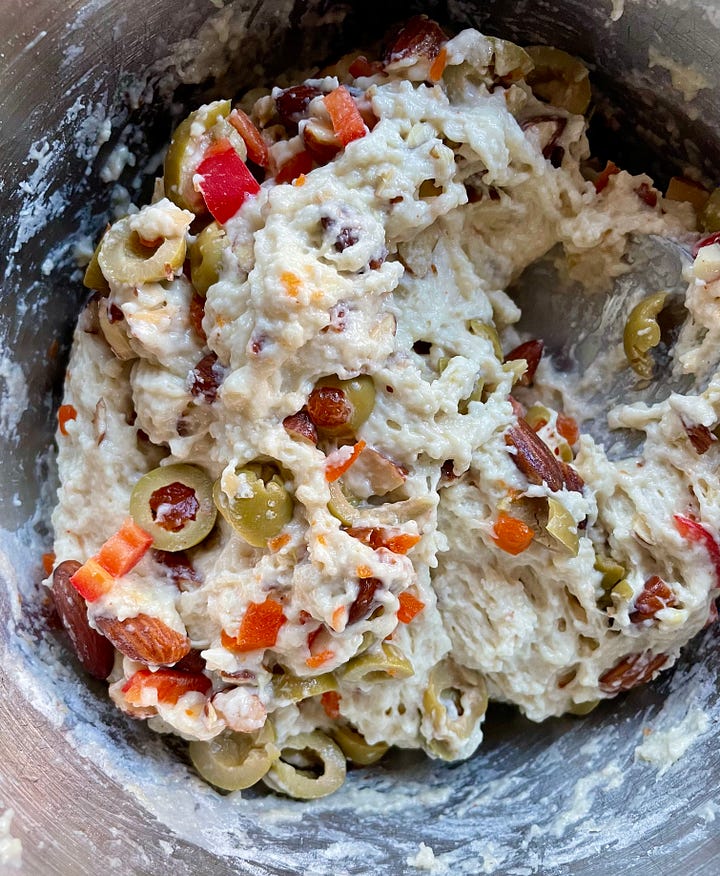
(299, 180)
(279, 542)
(409, 606)
(316, 660)
(65, 413)
(512, 535)
(321, 540)
(259, 627)
(292, 283)
(568, 428)
(437, 68)
(48, 562)
(338, 617)
(336, 467)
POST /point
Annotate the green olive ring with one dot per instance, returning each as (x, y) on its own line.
(194, 530)
(710, 214)
(449, 682)
(360, 393)
(642, 333)
(559, 79)
(293, 772)
(263, 513)
(206, 257)
(93, 277)
(291, 689)
(386, 662)
(234, 761)
(562, 527)
(355, 747)
(125, 260)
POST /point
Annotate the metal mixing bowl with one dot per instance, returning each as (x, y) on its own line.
(95, 793)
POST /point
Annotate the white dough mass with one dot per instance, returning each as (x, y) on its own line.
(392, 260)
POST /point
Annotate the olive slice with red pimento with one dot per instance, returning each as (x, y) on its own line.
(174, 503)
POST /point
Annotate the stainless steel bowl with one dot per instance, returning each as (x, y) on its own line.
(93, 792)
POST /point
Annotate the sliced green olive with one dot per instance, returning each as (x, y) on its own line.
(355, 747)
(489, 332)
(174, 504)
(642, 333)
(340, 506)
(538, 416)
(206, 257)
(562, 527)
(612, 573)
(559, 78)
(94, 277)
(581, 709)
(260, 507)
(388, 660)
(185, 153)
(115, 333)
(310, 765)
(235, 761)
(455, 701)
(290, 688)
(623, 590)
(124, 259)
(342, 415)
(509, 60)
(710, 213)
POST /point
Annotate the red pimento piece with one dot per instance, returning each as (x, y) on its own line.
(345, 116)
(647, 194)
(328, 407)
(124, 550)
(174, 505)
(706, 241)
(340, 460)
(409, 607)
(259, 627)
(330, 702)
(602, 180)
(300, 164)
(512, 535)
(693, 531)
(65, 413)
(170, 685)
(568, 429)
(256, 147)
(92, 581)
(362, 67)
(225, 182)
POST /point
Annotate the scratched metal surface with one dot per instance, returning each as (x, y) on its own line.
(95, 794)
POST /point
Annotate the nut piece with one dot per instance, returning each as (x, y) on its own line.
(700, 436)
(145, 639)
(533, 457)
(531, 352)
(94, 651)
(631, 671)
(654, 596)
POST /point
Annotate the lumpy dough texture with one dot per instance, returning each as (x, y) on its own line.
(391, 259)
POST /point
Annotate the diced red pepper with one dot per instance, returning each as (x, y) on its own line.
(345, 116)
(259, 627)
(362, 67)
(340, 460)
(409, 606)
(124, 550)
(92, 580)
(602, 180)
(225, 181)
(693, 531)
(706, 241)
(256, 147)
(330, 702)
(170, 685)
(301, 163)
(65, 413)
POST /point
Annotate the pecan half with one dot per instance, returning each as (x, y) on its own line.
(145, 639)
(631, 671)
(93, 651)
(420, 37)
(655, 596)
(532, 456)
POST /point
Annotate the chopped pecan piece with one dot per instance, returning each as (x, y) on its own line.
(420, 37)
(700, 436)
(292, 103)
(549, 129)
(301, 427)
(531, 352)
(179, 566)
(206, 378)
(533, 457)
(631, 671)
(364, 600)
(655, 596)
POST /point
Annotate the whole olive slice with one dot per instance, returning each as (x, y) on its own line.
(174, 503)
